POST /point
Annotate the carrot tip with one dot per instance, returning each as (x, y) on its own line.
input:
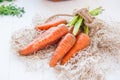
(36, 28)
(62, 63)
(52, 65)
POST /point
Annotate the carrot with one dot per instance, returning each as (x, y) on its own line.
(65, 52)
(47, 38)
(46, 26)
(71, 29)
(63, 47)
(82, 42)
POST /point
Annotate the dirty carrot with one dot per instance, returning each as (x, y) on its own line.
(82, 42)
(46, 26)
(63, 47)
(48, 37)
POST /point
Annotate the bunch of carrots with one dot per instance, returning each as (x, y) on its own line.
(69, 34)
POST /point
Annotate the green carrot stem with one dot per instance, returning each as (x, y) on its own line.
(96, 11)
(77, 26)
(86, 30)
(73, 21)
(77, 21)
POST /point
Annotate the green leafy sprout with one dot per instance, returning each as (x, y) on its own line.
(12, 10)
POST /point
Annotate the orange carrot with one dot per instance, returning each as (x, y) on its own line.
(46, 26)
(63, 47)
(82, 42)
(47, 38)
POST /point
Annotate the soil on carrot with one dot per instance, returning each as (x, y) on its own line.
(93, 63)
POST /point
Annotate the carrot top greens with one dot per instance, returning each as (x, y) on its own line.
(73, 21)
(77, 21)
(96, 11)
(77, 26)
